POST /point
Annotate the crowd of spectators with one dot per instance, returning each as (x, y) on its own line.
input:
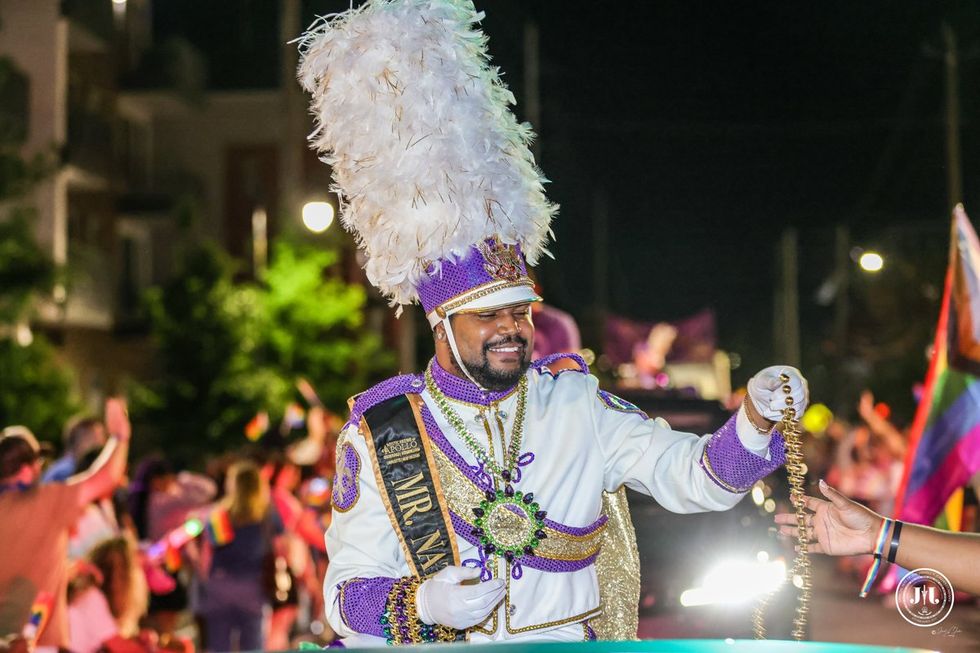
(98, 559)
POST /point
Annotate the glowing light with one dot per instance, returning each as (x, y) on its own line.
(194, 527)
(318, 216)
(871, 262)
(118, 2)
(758, 496)
(817, 418)
(23, 335)
(734, 582)
(319, 485)
(769, 505)
(762, 556)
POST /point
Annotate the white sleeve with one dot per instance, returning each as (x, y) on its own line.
(648, 456)
(360, 540)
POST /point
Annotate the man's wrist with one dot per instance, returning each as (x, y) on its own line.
(756, 420)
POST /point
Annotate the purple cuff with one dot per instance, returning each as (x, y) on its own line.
(733, 467)
(362, 600)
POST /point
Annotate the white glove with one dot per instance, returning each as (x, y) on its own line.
(444, 600)
(768, 396)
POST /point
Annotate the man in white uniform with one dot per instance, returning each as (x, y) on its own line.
(471, 500)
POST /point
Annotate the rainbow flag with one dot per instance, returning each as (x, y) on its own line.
(40, 613)
(257, 426)
(294, 416)
(172, 560)
(944, 449)
(219, 527)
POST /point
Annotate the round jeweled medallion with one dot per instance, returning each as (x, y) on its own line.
(509, 524)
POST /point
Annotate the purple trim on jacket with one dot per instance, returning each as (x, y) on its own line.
(460, 389)
(397, 385)
(362, 600)
(733, 467)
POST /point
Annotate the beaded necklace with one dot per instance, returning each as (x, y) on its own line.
(509, 523)
(488, 460)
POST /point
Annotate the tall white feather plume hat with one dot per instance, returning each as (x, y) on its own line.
(435, 175)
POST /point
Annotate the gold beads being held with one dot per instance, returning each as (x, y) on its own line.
(799, 573)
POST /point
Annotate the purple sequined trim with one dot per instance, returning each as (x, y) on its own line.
(462, 389)
(345, 484)
(463, 529)
(454, 276)
(362, 600)
(398, 385)
(541, 365)
(575, 531)
(735, 468)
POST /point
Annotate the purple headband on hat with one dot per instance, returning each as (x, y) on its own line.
(482, 272)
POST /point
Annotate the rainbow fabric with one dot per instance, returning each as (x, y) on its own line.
(944, 449)
(257, 426)
(294, 416)
(172, 560)
(219, 527)
(40, 613)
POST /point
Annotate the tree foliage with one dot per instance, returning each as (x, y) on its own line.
(227, 350)
(36, 388)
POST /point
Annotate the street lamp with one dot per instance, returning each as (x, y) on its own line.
(318, 216)
(871, 261)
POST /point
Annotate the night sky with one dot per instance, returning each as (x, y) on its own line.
(709, 128)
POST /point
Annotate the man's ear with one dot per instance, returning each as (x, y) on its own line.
(439, 332)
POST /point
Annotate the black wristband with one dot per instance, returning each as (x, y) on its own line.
(896, 534)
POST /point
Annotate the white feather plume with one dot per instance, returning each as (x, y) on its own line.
(426, 155)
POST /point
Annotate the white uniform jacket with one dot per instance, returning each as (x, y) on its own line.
(583, 441)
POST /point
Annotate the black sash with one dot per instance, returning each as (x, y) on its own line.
(409, 484)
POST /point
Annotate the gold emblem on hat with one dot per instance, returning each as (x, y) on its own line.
(501, 260)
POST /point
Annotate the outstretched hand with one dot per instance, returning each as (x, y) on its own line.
(836, 527)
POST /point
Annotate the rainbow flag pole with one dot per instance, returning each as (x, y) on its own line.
(944, 449)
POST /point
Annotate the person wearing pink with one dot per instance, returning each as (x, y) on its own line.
(301, 531)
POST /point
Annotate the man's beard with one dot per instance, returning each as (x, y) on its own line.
(496, 380)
